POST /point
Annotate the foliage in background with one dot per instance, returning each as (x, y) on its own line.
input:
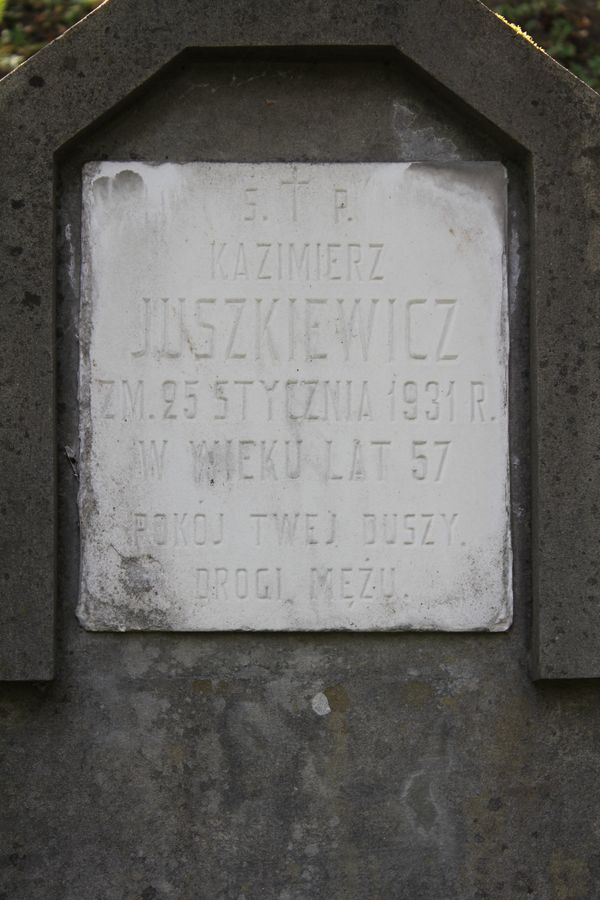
(25, 27)
(568, 30)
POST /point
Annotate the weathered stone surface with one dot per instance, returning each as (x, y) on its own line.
(354, 765)
(294, 397)
(523, 95)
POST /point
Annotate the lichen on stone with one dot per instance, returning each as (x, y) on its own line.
(518, 30)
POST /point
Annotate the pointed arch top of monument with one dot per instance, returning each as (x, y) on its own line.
(459, 44)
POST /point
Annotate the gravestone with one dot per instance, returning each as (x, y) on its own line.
(300, 355)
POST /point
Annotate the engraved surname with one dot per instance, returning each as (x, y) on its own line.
(281, 328)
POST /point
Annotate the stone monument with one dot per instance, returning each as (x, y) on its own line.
(299, 453)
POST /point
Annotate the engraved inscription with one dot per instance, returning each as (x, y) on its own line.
(294, 397)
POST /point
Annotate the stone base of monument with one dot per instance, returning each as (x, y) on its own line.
(299, 446)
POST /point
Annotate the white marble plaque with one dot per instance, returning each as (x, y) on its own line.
(293, 396)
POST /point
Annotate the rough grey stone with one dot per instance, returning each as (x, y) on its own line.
(465, 50)
(187, 766)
